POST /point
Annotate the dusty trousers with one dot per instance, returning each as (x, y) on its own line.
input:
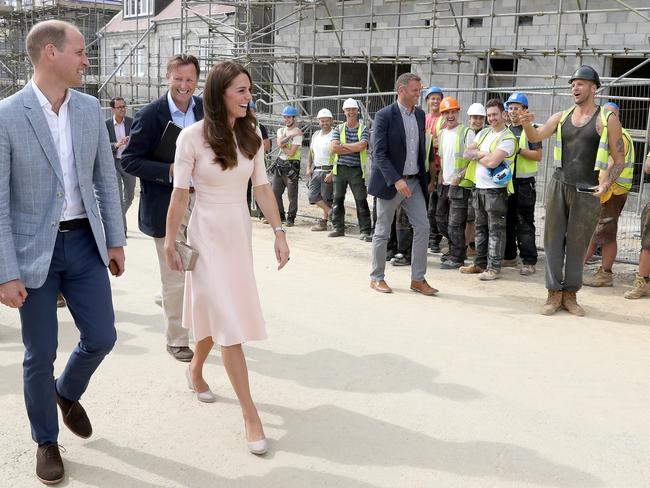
(520, 222)
(491, 206)
(459, 199)
(571, 218)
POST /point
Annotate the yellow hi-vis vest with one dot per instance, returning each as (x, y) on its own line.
(625, 178)
(459, 163)
(526, 168)
(363, 155)
(470, 174)
(429, 140)
(296, 156)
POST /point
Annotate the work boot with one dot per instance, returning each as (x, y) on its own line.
(489, 275)
(640, 287)
(60, 301)
(569, 301)
(509, 263)
(336, 233)
(471, 249)
(320, 226)
(471, 269)
(364, 236)
(553, 302)
(527, 270)
(434, 246)
(450, 264)
(599, 278)
(291, 222)
(400, 260)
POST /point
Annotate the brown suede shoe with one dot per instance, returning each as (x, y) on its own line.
(181, 353)
(570, 302)
(380, 286)
(74, 417)
(49, 465)
(471, 269)
(423, 287)
(553, 302)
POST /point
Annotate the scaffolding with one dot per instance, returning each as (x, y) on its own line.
(17, 18)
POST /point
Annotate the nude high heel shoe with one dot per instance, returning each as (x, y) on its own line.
(258, 447)
(205, 396)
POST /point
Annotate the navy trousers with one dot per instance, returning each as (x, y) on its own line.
(78, 271)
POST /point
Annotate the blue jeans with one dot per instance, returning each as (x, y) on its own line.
(78, 271)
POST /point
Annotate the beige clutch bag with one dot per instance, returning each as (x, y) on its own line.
(188, 254)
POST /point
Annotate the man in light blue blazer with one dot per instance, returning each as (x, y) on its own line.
(60, 227)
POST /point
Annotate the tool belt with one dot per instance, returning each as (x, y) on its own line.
(283, 167)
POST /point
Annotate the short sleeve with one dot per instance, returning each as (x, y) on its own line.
(184, 160)
(365, 136)
(336, 135)
(508, 146)
(259, 176)
(296, 141)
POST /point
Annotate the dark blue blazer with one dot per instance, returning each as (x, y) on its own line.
(389, 152)
(155, 187)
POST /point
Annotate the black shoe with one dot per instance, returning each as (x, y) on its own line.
(74, 417)
(444, 257)
(60, 301)
(400, 260)
(434, 246)
(365, 237)
(336, 233)
(181, 353)
(291, 222)
(449, 264)
(49, 465)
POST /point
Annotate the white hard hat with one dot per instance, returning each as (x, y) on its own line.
(476, 109)
(350, 103)
(323, 112)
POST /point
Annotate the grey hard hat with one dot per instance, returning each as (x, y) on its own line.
(586, 72)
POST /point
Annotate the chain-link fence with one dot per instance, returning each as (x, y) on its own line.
(632, 96)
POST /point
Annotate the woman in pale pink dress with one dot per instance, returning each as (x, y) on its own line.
(219, 154)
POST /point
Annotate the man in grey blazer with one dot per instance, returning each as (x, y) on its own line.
(60, 227)
(119, 128)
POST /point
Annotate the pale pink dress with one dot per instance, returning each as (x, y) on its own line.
(221, 299)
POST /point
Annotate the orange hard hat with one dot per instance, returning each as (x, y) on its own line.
(449, 103)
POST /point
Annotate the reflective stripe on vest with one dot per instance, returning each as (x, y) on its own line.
(603, 145)
(296, 156)
(526, 168)
(363, 155)
(470, 174)
(626, 176)
(459, 163)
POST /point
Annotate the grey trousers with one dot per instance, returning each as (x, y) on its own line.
(126, 187)
(416, 210)
(279, 183)
(491, 207)
(571, 218)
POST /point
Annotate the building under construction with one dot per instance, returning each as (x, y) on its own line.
(312, 53)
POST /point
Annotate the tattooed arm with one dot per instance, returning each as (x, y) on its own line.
(617, 152)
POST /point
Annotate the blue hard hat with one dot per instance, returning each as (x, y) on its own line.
(517, 97)
(252, 105)
(433, 89)
(502, 174)
(289, 111)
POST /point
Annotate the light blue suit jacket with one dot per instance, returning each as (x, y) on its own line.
(31, 184)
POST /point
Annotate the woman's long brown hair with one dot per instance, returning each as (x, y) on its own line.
(216, 129)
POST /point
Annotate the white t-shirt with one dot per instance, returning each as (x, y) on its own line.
(447, 153)
(321, 147)
(483, 178)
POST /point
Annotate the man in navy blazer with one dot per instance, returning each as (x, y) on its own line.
(180, 106)
(398, 177)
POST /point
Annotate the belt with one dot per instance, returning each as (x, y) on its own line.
(192, 190)
(75, 224)
(324, 168)
(410, 177)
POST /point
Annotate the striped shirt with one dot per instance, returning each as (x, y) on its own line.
(351, 136)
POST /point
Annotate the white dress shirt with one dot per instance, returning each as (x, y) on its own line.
(73, 207)
(120, 133)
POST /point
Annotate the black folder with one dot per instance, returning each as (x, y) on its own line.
(167, 147)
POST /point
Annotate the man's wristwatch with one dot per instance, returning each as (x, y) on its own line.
(279, 229)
